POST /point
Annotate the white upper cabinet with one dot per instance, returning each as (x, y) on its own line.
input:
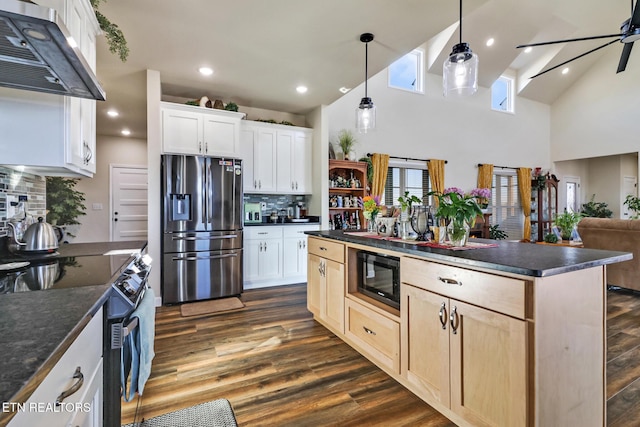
(54, 134)
(277, 158)
(188, 129)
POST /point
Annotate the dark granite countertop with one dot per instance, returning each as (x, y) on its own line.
(37, 327)
(510, 257)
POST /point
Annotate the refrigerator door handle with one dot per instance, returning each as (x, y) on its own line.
(195, 258)
(194, 238)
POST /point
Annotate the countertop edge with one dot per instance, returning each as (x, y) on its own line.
(562, 260)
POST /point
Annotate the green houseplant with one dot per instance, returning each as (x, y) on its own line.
(64, 203)
(346, 141)
(567, 221)
(460, 209)
(115, 38)
(596, 209)
(633, 203)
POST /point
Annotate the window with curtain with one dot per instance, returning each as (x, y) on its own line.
(505, 205)
(401, 179)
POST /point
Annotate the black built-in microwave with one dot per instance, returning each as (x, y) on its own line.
(379, 277)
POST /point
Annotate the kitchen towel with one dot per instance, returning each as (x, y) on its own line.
(137, 351)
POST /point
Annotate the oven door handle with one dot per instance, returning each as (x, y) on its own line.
(196, 258)
(193, 238)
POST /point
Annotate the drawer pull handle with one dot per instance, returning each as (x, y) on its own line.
(443, 315)
(455, 320)
(263, 232)
(369, 331)
(449, 281)
(74, 388)
(322, 248)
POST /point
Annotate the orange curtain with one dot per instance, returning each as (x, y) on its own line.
(380, 163)
(524, 188)
(436, 176)
(485, 176)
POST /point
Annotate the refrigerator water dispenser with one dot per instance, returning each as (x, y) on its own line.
(180, 207)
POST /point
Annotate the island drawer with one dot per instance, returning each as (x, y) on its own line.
(374, 334)
(498, 293)
(326, 249)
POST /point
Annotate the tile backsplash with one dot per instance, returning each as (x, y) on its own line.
(14, 183)
(275, 202)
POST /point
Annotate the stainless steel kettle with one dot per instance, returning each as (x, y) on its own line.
(39, 237)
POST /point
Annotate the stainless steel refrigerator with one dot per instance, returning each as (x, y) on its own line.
(202, 225)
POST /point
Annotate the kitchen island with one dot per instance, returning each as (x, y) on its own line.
(37, 327)
(510, 334)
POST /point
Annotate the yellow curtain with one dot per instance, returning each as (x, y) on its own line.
(380, 163)
(436, 176)
(524, 188)
(485, 176)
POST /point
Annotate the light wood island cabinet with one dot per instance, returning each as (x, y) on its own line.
(487, 338)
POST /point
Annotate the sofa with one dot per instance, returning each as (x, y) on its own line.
(615, 235)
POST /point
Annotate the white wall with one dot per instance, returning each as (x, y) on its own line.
(463, 131)
(109, 150)
(598, 115)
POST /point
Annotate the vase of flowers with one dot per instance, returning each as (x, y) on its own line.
(460, 209)
(370, 209)
(482, 196)
(406, 203)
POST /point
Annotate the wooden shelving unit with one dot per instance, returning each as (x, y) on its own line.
(544, 206)
(347, 183)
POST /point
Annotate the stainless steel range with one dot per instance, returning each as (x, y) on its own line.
(202, 226)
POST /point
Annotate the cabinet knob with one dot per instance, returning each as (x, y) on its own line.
(369, 331)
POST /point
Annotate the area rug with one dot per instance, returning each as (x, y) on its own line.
(217, 413)
(210, 306)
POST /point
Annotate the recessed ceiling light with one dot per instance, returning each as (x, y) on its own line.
(301, 89)
(565, 70)
(344, 89)
(126, 132)
(113, 113)
(491, 41)
(529, 49)
(205, 71)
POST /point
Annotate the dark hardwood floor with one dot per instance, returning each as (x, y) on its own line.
(277, 366)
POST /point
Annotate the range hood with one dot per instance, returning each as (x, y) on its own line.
(35, 54)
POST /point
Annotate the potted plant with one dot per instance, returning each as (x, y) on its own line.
(567, 221)
(406, 202)
(633, 203)
(114, 36)
(64, 203)
(460, 209)
(346, 141)
(596, 209)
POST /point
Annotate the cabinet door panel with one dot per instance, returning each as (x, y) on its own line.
(248, 139)
(252, 249)
(181, 132)
(488, 367)
(291, 259)
(334, 299)
(425, 343)
(270, 261)
(219, 137)
(284, 153)
(264, 160)
(302, 164)
(313, 284)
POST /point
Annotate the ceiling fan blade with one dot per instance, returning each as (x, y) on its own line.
(624, 58)
(568, 40)
(635, 18)
(573, 59)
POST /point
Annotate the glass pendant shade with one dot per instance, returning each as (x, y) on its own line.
(460, 71)
(365, 116)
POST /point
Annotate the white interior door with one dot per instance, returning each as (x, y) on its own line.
(128, 203)
(628, 188)
(573, 202)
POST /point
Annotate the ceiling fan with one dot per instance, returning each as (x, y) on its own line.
(630, 32)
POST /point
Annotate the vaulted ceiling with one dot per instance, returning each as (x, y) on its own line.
(261, 50)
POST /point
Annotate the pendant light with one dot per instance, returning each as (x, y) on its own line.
(460, 70)
(366, 111)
